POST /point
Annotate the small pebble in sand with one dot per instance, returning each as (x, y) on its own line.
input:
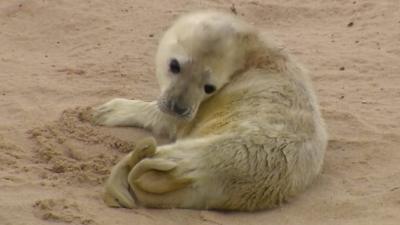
(342, 68)
(233, 9)
(350, 24)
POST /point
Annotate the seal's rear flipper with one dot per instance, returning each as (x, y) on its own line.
(144, 148)
(156, 176)
(117, 188)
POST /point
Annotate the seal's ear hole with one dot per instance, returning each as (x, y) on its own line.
(174, 66)
(209, 88)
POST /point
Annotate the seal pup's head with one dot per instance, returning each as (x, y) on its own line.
(196, 57)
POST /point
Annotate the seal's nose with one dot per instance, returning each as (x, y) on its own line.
(180, 109)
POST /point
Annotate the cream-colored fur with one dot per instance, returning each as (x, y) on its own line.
(253, 143)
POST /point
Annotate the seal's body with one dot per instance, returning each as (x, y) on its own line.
(248, 130)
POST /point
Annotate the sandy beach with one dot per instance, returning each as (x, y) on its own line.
(59, 57)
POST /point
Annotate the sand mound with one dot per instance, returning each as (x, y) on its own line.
(75, 150)
(8, 156)
(60, 210)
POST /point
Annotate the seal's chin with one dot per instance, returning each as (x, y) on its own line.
(187, 117)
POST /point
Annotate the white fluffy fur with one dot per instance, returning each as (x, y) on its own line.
(257, 141)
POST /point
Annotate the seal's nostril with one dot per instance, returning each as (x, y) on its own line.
(180, 110)
(170, 105)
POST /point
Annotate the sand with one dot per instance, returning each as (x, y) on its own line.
(59, 57)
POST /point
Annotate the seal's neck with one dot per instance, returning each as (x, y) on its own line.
(264, 53)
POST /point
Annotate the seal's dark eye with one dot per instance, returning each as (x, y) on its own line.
(208, 88)
(174, 66)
